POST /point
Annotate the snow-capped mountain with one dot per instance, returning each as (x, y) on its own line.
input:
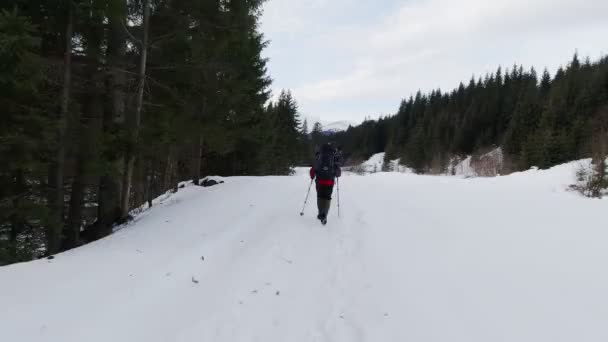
(337, 126)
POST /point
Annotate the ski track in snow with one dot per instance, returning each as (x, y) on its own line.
(412, 258)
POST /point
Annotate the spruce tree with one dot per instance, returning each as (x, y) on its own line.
(538, 122)
(25, 134)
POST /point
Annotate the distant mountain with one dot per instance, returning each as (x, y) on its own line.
(337, 126)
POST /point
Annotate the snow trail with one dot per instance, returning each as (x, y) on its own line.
(413, 258)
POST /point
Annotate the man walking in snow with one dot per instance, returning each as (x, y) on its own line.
(325, 169)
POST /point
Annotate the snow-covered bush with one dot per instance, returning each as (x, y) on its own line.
(592, 179)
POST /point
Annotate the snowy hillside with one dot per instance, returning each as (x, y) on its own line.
(412, 258)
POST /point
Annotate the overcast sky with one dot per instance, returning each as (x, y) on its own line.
(348, 59)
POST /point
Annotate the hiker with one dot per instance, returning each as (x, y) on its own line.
(325, 169)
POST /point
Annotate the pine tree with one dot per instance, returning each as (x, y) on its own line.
(24, 137)
(316, 135)
(538, 123)
(202, 110)
(283, 127)
(524, 120)
(386, 163)
(307, 148)
(304, 129)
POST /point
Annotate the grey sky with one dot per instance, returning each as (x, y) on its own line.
(348, 59)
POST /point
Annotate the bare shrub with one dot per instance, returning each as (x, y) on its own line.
(439, 165)
(508, 165)
(488, 164)
(357, 169)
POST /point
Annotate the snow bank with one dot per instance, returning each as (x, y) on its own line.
(462, 167)
(412, 258)
(396, 166)
(374, 163)
(486, 165)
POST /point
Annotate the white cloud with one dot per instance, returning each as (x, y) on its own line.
(422, 44)
(367, 79)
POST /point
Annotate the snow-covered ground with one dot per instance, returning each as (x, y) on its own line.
(412, 258)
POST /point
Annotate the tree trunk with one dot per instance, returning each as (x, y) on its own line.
(108, 196)
(170, 178)
(72, 235)
(117, 47)
(140, 181)
(151, 183)
(108, 210)
(88, 127)
(16, 220)
(168, 173)
(54, 231)
(12, 241)
(136, 119)
(196, 160)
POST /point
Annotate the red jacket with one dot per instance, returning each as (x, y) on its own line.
(325, 182)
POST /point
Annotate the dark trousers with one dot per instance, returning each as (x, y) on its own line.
(324, 199)
(324, 191)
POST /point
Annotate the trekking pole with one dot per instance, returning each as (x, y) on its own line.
(338, 189)
(306, 200)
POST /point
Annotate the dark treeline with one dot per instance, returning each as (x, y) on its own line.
(537, 120)
(108, 103)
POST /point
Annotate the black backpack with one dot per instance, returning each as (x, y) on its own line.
(326, 163)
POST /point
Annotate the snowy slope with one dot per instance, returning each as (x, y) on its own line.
(413, 258)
